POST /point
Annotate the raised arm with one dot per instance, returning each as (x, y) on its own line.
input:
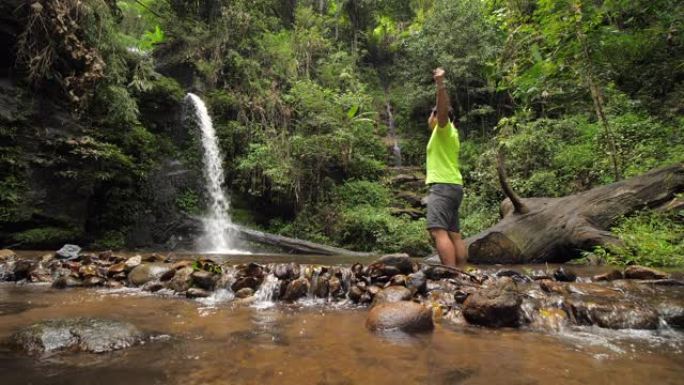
(442, 98)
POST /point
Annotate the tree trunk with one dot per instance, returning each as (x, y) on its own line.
(294, 245)
(535, 230)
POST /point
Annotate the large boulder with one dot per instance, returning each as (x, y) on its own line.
(79, 334)
(493, 307)
(404, 315)
(145, 272)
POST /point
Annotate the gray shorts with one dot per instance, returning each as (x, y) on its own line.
(442, 207)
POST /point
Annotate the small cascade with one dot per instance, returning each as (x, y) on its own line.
(217, 223)
(396, 150)
(268, 291)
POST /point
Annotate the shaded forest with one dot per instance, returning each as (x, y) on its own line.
(321, 110)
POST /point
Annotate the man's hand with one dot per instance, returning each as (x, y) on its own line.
(438, 75)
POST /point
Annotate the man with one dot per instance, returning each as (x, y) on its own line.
(445, 180)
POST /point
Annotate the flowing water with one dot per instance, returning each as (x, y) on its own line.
(217, 224)
(224, 340)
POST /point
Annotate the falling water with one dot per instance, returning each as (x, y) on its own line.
(217, 223)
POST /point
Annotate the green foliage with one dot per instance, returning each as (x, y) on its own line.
(188, 202)
(357, 193)
(111, 240)
(47, 236)
(650, 239)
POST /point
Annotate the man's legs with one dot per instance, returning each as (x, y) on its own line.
(460, 252)
(445, 246)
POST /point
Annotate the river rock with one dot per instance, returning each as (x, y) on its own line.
(23, 268)
(563, 275)
(6, 254)
(355, 293)
(245, 292)
(672, 313)
(401, 262)
(609, 276)
(494, 307)
(335, 287)
(146, 272)
(296, 289)
(322, 286)
(93, 281)
(392, 294)
(641, 272)
(196, 292)
(68, 252)
(405, 315)
(133, 262)
(182, 280)
(250, 282)
(80, 334)
(611, 314)
(116, 268)
(66, 281)
(204, 279)
(286, 270)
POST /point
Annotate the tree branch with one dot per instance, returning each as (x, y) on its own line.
(518, 206)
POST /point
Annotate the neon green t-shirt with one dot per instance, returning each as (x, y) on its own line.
(442, 156)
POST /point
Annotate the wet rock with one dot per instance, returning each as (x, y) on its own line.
(250, 282)
(116, 268)
(182, 280)
(133, 262)
(357, 269)
(493, 307)
(463, 293)
(83, 335)
(405, 315)
(438, 272)
(393, 264)
(392, 294)
(335, 287)
(296, 289)
(416, 282)
(181, 264)
(550, 318)
(196, 292)
(355, 293)
(22, 269)
(284, 271)
(204, 279)
(672, 313)
(93, 281)
(641, 272)
(252, 270)
(322, 287)
(40, 274)
(6, 254)
(397, 280)
(611, 315)
(563, 275)
(153, 286)
(87, 270)
(515, 275)
(609, 276)
(146, 272)
(441, 298)
(68, 252)
(64, 282)
(111, 284)
(244, 292)
(578, 288)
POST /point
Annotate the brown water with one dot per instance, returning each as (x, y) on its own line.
(222, 341)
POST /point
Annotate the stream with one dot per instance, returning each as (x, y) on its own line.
(223, 340)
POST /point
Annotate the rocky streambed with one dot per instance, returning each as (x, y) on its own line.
(634, 298)
(340, 321)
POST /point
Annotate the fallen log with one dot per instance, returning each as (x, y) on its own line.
(537, 230)
(292, 244)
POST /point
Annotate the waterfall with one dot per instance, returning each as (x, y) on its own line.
(396, 150)
(217, 224)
